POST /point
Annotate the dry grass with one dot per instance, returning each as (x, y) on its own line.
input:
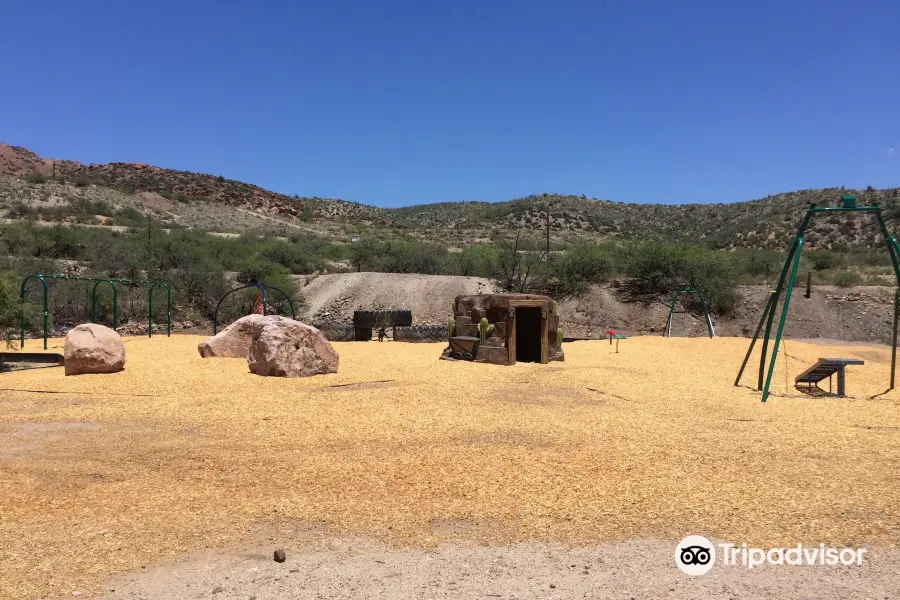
(94, 480)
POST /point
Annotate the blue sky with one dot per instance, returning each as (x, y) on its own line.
(402, 102)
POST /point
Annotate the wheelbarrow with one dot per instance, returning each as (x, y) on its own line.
(464, 347)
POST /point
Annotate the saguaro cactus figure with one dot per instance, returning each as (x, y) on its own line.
(485, 329)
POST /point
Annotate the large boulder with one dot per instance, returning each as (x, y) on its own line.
(93, 348)
(231, 342)
(282, 347)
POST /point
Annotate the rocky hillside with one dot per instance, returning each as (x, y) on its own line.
(764, 223)
(45, 187)
(181, 186)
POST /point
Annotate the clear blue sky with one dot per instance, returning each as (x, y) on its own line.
(402, 102)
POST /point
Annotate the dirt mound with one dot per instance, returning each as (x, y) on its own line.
(333, 298)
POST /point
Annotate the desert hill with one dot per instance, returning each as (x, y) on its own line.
(58, 190)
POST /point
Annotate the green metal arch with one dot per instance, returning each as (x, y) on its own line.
(43, 281)
(150, 307)
(97, 281)
(115, 301)
(262, 288)
(789, 274)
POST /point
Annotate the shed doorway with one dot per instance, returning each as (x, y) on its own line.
(528, 334)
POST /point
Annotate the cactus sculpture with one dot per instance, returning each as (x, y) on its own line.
(451, 327)
(485, 329)
(559, 339)
(554, 308)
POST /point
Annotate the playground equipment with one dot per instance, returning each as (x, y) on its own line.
(262, 288)
(789, 274)
(612, 335)
(672, 311)
(826, 367)
(150, 285)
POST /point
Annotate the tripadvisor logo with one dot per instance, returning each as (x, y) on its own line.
(696, 555)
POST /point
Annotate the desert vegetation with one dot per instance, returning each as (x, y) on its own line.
(204, 233)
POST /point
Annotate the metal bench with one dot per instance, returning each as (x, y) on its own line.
(826, 367)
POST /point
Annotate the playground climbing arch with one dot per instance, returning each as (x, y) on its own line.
(98, 281)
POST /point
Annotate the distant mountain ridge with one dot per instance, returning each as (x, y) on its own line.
(762, 223)
(140, 177)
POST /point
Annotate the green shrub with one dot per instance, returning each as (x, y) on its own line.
(35, 177)
(82, 181)
(847, 279)
(583, 265)
(824, 259)
(654, 267)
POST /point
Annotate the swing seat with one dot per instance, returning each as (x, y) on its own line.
(826, 367)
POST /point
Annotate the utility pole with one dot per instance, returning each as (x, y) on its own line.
(548, 229)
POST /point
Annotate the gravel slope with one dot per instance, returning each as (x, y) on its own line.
(333, 298)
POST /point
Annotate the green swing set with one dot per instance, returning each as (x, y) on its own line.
(789, 274)
(688, 290)
(150, 285)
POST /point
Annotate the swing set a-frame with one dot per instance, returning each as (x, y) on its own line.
(688, 290)
(789, 274)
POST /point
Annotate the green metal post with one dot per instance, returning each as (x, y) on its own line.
(706, 312)
(784, 312)
(168, 310)
(894, 337)
(768, 331)
(150, 303)
(770, 303)
(894, 251)
(778, 287)
(891, 244)
(668, 330)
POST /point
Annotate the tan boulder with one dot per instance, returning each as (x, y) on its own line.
(282, 347)
(231, 342)
(93, 348)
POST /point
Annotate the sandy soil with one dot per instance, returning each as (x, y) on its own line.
(101, 475)
(326, 567)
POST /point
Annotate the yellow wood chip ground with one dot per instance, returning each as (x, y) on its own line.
(179, 453)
